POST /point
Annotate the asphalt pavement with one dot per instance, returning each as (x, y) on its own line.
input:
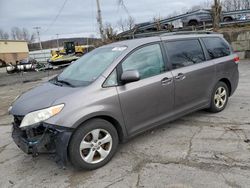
(198, 150)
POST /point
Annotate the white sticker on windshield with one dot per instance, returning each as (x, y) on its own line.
(119, 48)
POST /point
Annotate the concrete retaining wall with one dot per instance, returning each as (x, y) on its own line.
(240, 40)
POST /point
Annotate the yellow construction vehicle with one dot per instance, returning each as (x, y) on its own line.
(70, 52)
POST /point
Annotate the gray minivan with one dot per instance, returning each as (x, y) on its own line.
(120, 90)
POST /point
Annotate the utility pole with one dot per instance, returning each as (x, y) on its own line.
(99, 20)
(38, 35)
(57, 41)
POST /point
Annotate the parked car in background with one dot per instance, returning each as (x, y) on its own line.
(120, 90)
(244, 17)
(203, 16)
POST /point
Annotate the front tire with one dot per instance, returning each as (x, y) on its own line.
(93, 144)
(219, 97)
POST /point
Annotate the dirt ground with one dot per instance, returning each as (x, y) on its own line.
(198, 150)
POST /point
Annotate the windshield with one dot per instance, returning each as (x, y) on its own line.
(89, 67)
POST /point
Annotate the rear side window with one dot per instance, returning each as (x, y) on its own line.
(183, 53)
(216, 47)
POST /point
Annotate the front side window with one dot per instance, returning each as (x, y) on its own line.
(216, 47)
(148, 61)
(89, 67)
(183, 53)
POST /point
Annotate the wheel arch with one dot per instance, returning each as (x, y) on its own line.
(228, 83)
(193, 20)
(120, 128)
(227, 17)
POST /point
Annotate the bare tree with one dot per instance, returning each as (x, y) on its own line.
(157, 22)
(1, 34)
(121, 3)
(207, 4)
(32, 38)
(4, 35)
(16, 33)
(25, 34)
(122, 25)
(126, 24)
(246, 4)
(109, 32)
(130, 22)
(22, 34)
(231, 5)
(216, 12)
(195, 7)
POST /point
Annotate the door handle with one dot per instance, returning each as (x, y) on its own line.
(166, 81)
(180, 76)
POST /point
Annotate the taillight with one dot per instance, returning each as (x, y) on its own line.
(237, 59)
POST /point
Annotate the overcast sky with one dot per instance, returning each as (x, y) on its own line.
(78, 17)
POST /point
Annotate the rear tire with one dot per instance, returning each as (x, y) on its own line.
(227, 19)
(193, 23)
(93, 144)
(219, 98)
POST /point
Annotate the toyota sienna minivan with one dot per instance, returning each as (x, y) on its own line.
(120, 90)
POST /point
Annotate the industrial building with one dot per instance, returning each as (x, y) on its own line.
(13, 50)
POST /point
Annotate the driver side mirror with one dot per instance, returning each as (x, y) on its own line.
(130, 76)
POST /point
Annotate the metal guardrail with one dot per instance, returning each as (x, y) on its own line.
(207, 28)
(236, 12)
(235, 22)
(167, 20)
(132, 32)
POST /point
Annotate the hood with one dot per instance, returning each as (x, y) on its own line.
(39, 97)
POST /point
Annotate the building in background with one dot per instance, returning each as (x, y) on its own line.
(12, 51)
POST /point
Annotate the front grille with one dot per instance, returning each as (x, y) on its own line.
(30, 133)
(18, 120)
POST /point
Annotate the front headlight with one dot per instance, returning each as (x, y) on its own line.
(41, 115)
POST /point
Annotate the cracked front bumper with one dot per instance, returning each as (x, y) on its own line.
(43, 138)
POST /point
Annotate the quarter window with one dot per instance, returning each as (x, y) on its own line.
(183, 53)
(147, 61)
(216, 47)
(111, 80)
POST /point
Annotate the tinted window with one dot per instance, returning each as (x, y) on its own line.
(147, 60)
(184, 53)
(216, 47)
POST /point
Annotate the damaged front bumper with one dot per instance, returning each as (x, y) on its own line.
(43, 138)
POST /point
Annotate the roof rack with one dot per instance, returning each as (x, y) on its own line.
(187, 33)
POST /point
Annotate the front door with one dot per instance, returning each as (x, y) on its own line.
(146, 102)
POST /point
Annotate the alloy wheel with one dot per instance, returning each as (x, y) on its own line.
(95, 146)
(220, 97)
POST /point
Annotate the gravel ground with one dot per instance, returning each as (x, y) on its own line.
(198, 150)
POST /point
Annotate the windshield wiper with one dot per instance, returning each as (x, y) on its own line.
(60, 82)
(65, 82)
